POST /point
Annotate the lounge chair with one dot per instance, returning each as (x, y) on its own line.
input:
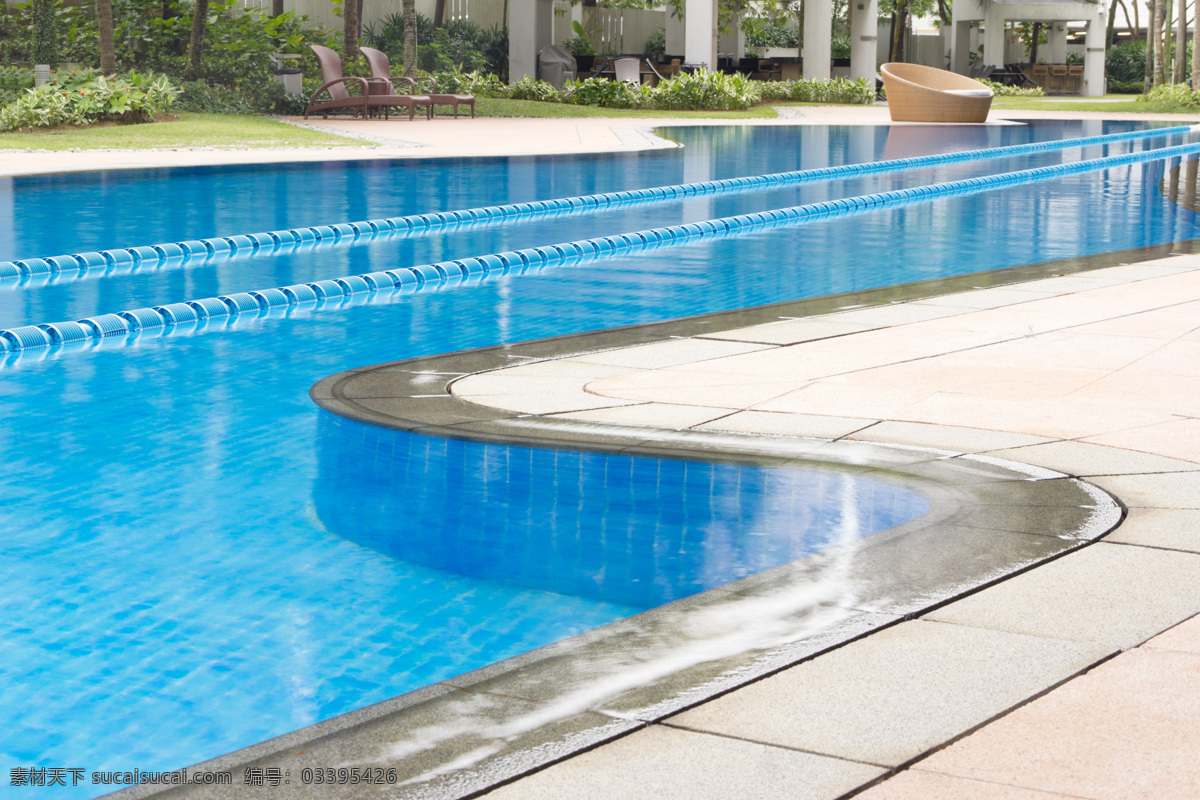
(335, 86)
(443, 99)
(383, 94)
(916, 93)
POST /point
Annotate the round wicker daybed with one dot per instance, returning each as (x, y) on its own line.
(917, 93)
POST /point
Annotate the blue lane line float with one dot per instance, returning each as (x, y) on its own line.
(340, 234)
(568, 253)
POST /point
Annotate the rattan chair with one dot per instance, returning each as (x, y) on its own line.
(916, 93)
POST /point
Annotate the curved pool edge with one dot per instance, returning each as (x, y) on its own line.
(496, 696)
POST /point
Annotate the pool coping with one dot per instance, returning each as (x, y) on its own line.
(421, 704)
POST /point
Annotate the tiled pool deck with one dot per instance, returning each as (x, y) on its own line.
(1078, 678)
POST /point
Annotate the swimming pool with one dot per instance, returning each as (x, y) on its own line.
(151, 477)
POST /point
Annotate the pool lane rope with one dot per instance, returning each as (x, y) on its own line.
(165, 316)
(345, 233)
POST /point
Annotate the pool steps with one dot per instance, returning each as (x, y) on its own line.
(157, 255)
(128, 322)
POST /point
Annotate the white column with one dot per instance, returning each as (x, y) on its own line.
(864, 19)
(993, 36)
(530, 28)
(818, 35)
(960, 48)
(700, 32)
(1093, 56)
(1057, 42)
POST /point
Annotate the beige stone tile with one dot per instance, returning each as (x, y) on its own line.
(895, 694)
(792, 331)
(988, 298)
(1161, 324)
(662, 763)
(1178, 395)
(547, 402)
(670, 353)
(1109, 593)
(485, 384)
(894, 314)
(1172, 528)
(1084, 458)
(918, 784)
(659, 415)
(982, 377)
(767, 422)
(1070, 350)
(736, 395)
(1053, 419)
(944, 437)
(1124, 731)
(1183, 638)
(1173, 358)
(566, 368)
(847, 396)
(1165, 490)
(1174, 438)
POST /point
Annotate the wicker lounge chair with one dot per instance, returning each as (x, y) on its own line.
(917, 93)
(383, 94)
(335, 86)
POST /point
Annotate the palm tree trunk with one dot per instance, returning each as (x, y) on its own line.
(349, 32)
(899, 29)
(1162, 13)
(199, 22)
(1195, 45)
(108, 46)
(1180, 44)
(410, 37)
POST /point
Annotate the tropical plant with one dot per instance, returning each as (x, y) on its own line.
(656, 43)
(87, 97)
(1000, 90)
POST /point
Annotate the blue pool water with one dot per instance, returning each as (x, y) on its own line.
(181, 578)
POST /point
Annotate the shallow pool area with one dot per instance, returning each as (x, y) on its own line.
(198, 558)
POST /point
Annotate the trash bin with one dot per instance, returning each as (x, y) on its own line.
(556, 65)
(289, 75)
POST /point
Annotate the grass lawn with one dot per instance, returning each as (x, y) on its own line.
(188, 130)
(1112, 103)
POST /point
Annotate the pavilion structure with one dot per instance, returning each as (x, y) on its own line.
(531, 27)
(993, 15)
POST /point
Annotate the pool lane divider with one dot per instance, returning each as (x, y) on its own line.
(166, 316)
(272, 242)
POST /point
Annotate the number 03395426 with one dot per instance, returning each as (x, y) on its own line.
(343, 775)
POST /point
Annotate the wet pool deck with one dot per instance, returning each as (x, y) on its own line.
(1079, 678)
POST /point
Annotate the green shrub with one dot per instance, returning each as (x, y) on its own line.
(715, 91)
(480, 84)
(1126, 63)
(604, 93)
(14, 81)
(530, 88)
(1171, 97)
(772, 34)
(85, 98)
(1000, 90)
(656, 43)
(1127, 87)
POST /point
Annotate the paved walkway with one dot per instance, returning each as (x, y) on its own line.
(1080, 678)
(1095, 375)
